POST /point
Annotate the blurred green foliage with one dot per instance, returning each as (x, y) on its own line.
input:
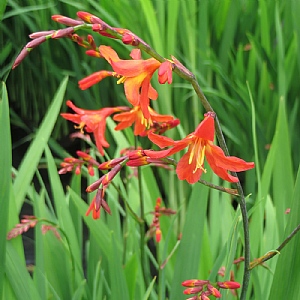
(246, 57)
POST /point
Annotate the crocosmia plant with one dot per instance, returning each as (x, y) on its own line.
(137, 232)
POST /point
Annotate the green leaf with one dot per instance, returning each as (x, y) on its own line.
(3, 4)
(149, 289)
(287, 286)
(18, 276)
(5, 178)
(189, 251)
(34, 152)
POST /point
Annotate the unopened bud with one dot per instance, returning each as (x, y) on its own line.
(194, 282)
(193, 290)
(111, 174)
(62, 33)
(38, 34)
(66, 21)
(229, 285)
(215, 292)
(93, 53)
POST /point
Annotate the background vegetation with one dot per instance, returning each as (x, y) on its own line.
(246, 56)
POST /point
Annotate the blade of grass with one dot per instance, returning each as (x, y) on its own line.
(5, 178)
(283, 178)
(2, 8)
(40, 271)
(18, 276)
(149, 289)
(119, 289)
(34, 152)
(65, 220)
(287, 287)
(188, 253)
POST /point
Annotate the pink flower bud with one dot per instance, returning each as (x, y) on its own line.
(62, 33)
(38, 34)
(24, 52)
(36, 42)
(66, 21)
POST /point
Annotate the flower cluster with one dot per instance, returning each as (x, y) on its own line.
(71, 163)
(136, 74)
(28, 222)
(202, 289)
(132, 158)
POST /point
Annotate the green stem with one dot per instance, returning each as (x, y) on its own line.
(142, 224)
(242, 201)
(272, 253)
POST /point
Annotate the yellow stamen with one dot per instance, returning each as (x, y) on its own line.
(121, 80)
(80, 126)
(198, 150)
(146, 122)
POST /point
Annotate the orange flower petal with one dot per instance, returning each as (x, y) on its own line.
(109, 54)
(94, 78)
(132, 89)
(160, 141)
(136, 54)
(186, 171)
(231, 163)
(131, 68)
(206, 129)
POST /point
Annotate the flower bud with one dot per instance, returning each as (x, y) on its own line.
(111, 174)
(66, 21)
(111, 163)
(194, 282)
(38, 34)
(193, 290)
(215, 292)
(165, 72)
(34, 43)
(24, 52)
(229, 285)
(93, 53)
(62, 33)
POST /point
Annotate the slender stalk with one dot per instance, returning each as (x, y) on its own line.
(189, 76)
(242, 201)
(272, 253)
(142, 224)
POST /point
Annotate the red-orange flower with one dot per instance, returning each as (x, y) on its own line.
(93, 121)
(135, 74)
(200, 143)
(135, 116)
